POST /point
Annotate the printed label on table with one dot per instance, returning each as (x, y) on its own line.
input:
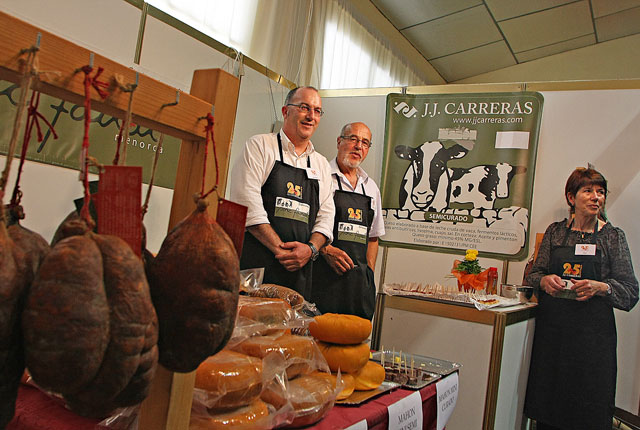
(360, 425)
(447, 392)
(406, 414)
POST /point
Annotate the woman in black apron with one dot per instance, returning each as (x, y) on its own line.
(583, 271)
(354, 291)
(291, 200)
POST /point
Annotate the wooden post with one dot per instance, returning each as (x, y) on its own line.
(168, 406)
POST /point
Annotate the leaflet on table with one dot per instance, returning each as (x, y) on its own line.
(447, 393)
(406, 414)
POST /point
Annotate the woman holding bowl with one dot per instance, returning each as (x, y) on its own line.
(583, 271)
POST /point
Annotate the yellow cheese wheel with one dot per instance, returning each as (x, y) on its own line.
(348, 383)
(347, 358)
(340, 328)
(370, 377)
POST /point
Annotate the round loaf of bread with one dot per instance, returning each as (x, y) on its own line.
(340, 328)
(231, 379)
(347, 358)
(370, 377)
(251, 417)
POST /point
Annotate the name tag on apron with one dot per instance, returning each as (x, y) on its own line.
(312, 173)
(585, 249)
(292, 209)
(352, 232)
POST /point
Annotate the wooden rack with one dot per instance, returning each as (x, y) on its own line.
(168, 405)
(61, 60)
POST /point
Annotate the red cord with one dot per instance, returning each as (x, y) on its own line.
(84, 156)
(209, 134)
(32, 119)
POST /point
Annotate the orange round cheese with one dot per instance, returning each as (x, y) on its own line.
(347, 381)
(347, 358)
(370, 377)
(251, 417)
(230, 378)
(340, 328)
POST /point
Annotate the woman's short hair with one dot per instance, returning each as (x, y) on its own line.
(582, 176)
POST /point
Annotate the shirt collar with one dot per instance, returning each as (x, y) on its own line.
(287, 146)
(362, 175)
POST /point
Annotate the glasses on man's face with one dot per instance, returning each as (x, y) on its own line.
(306, 109)
(355, 139)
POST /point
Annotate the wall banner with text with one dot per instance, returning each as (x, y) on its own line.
(68, 120)
(458, 171)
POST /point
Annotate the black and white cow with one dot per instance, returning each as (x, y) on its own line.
(428, 183)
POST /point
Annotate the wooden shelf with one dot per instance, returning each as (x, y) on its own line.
(62, 59)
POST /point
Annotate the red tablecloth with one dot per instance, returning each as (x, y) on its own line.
(375, 411)
(37, 411)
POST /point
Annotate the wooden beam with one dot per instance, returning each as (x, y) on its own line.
(62, 60)
(168, 406)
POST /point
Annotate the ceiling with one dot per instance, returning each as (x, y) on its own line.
(464, 38)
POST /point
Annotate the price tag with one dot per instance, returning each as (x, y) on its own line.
(232, 217)
(447, 392)
(406, 414)
(119, 202)
(360, 425)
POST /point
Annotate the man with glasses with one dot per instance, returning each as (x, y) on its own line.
(286, 186)
(343, 278)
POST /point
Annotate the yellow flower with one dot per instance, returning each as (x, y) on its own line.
(471, 255)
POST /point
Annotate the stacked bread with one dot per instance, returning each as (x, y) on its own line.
(341, 339)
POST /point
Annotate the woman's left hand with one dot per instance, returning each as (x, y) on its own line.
(587, 288)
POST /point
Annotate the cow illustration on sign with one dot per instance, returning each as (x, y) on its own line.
(430, 185)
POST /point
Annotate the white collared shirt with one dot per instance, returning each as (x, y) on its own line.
(253, 168)
(370, 188)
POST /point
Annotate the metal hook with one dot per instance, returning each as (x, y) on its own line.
(91, 55)
(174, 103)
(38, 37)
(137, 78)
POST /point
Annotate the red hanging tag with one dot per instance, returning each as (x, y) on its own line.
(119, 204)
(232, 217)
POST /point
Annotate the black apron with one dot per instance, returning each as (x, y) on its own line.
(291, 200)
(353, 292)
(572, 377)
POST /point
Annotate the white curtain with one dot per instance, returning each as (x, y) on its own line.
(310, 42)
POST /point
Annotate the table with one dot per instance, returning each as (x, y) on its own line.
(37, 411)
(493, 346)
(375, 411)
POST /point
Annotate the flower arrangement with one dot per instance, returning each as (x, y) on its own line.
(469, 273)
(470, 263)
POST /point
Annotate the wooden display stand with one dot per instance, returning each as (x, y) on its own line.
(169, 403)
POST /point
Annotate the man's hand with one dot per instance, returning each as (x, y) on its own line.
(293, 255)
(337, 259)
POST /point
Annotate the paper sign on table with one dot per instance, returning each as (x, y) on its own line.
(406, 414)
(447, 393)
(360, 425)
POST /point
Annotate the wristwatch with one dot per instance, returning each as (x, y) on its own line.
(608, 289)
(314, 251)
